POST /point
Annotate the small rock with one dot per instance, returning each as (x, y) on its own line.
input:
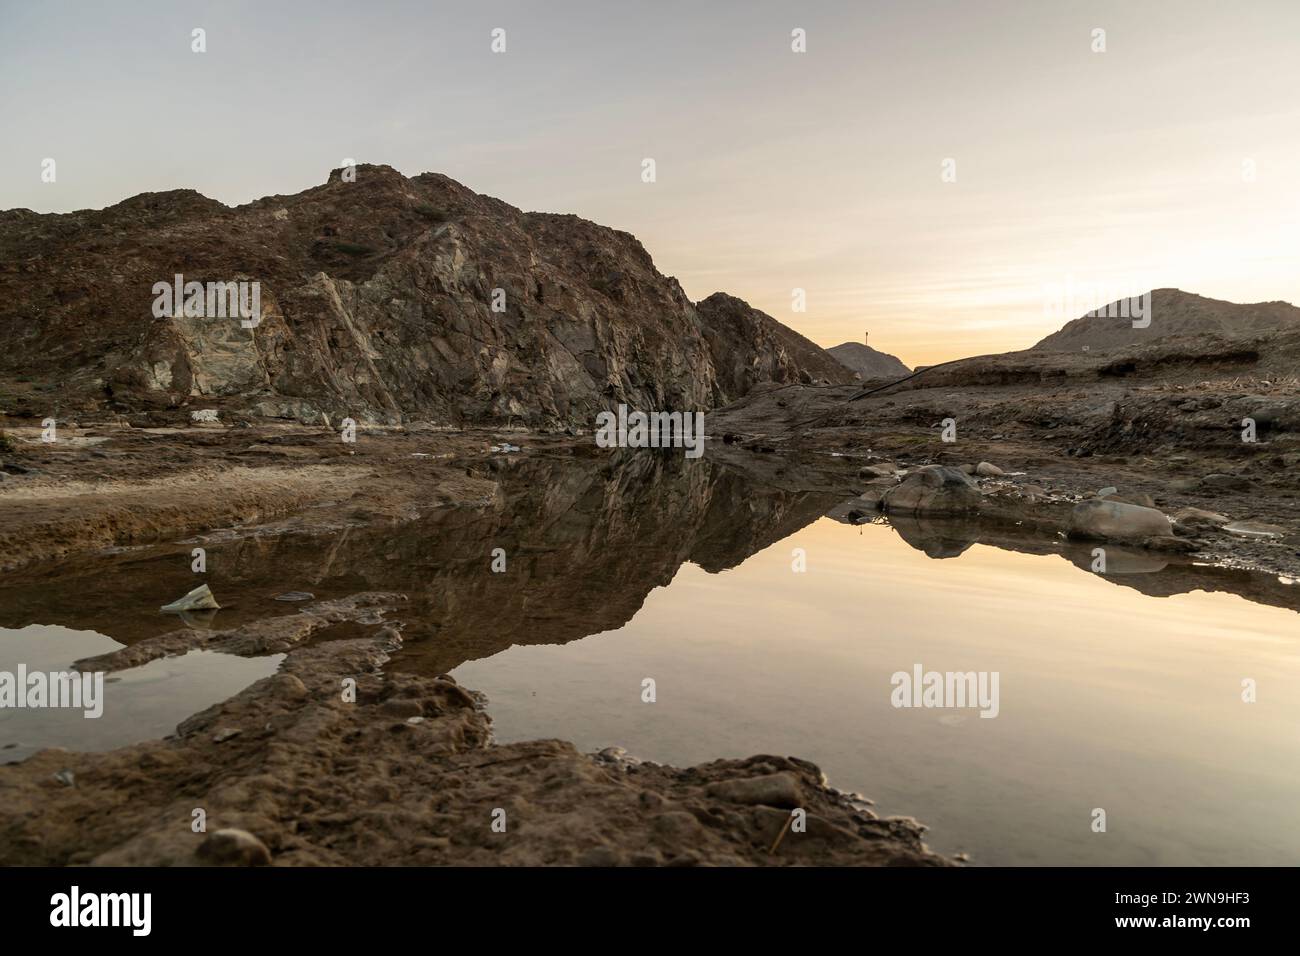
(677, 826)
(1198, 520)
(225, 733)
(233, 847)
(986, 470)
(295, 596)
(1107, 491)
(876, 471)
(1219, 482)
(600, 856)
(66, 777)
(773, 790)
(287, 686)
(402, 707)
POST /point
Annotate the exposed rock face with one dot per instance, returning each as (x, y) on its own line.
(1173, 312)
(378, 301)
(866, 362)
(749, 347)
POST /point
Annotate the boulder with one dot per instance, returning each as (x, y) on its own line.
(1112, 520)
(986, 470)
(934, 490)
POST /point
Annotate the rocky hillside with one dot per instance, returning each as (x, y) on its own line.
(377, 302)
(866, 362)
(749, 347)
(1173, 312)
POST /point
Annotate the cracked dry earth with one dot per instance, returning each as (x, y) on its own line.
(406, 774)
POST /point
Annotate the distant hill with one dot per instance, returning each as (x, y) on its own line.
(1173, 312)
(866, 362)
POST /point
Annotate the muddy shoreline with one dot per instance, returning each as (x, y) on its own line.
(406, 771)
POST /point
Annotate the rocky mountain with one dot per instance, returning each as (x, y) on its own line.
(749, 346)
(866, 362)
(383, 298)
(1173, 312)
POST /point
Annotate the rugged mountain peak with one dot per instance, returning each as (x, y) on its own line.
(382, 298)
(749, 346)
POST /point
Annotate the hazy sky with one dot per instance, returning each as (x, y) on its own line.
(1171, 159)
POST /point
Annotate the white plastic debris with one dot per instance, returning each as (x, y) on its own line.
(200, 599)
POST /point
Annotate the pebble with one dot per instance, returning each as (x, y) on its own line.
(232, 847)
(773, 790)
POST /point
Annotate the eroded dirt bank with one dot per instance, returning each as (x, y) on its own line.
(112, 485)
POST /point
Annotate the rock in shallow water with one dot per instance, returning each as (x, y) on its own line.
(934, 490)
(1116, 521)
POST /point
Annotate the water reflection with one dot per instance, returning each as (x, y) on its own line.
(1120, 691)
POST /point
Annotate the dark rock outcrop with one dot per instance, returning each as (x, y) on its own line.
(383, 299)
